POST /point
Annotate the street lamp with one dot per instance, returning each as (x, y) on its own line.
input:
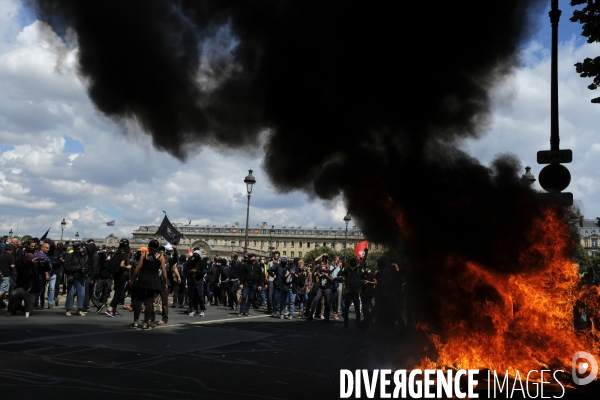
(62, 229)
(249, 181)
(10, 233)
(77, 236)
(271, 247)
(346, 220)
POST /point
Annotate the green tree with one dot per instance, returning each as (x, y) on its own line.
(309, 257)
(582, 258)
(589, 18)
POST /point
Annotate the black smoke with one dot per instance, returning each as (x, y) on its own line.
(362, 99)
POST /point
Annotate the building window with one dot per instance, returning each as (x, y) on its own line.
(291, 254)
(214, 241)
(277, 243)
(316, 245)
(299, 245)
(284, 254)
(284, 244)
(594, 253)
(262, 244)
(254, 243)
(376, 247)
(308, 245)
(594, 242)
(370, 245)
(292, 245)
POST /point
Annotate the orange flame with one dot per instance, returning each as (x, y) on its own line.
(523, 321)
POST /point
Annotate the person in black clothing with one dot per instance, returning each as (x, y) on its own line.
(352, 290)
(27, 284)
(120, 278)
(324, 281)
(195, 270)
(179, 284)
(7, 264)
(212, 280)
(253, 279)
(221, 282)
(277, 271)
(387, 296)
(92, 277)
(103, 283)
(57, 258)
(369, 283)
(233, 281)
(146, 284)
(76, 267)
(289, 291)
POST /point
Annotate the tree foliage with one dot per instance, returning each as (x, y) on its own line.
(585, 260)
(589, 18)
(395, 254)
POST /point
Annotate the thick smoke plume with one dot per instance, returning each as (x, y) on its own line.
(360, 98)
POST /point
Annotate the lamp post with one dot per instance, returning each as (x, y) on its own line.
(249, 181)
(77, 236)
(347, 219)
(62, 229)
(10, 233)
(271, 247)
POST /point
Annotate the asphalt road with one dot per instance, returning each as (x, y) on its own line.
(219, 356)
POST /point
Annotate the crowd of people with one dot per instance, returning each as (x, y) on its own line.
(38, 274)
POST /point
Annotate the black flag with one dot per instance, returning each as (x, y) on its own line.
(45, 235)
(168, 231)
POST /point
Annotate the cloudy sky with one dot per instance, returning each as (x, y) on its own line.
(60, 158)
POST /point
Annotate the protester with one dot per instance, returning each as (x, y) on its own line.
(57, 258)
(76, 269)
(324, 281)
(27, 284)
(352, 290)
(233, 281)
(288, 291)
(146, 283)
(92, 276)
(253, 278)
(179, 285)
(119, 268)
(277, 271)
(7, 265)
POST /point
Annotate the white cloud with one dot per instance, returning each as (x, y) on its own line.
(521, 121)
(120, 176)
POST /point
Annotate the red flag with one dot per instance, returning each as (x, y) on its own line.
(360, 248)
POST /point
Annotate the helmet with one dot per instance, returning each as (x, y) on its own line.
(77, 244)
(124, 242)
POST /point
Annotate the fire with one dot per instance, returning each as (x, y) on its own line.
(516, 322)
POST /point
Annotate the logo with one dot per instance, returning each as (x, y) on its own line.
(581, 367)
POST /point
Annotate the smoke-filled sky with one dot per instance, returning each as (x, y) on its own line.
(309, 99)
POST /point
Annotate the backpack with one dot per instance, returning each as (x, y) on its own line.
(354, 281)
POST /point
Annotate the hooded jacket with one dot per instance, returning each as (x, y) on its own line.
(252, 273)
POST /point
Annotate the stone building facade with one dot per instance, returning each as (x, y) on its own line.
(291, 241)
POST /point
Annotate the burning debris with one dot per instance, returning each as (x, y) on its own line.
(386, 108)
